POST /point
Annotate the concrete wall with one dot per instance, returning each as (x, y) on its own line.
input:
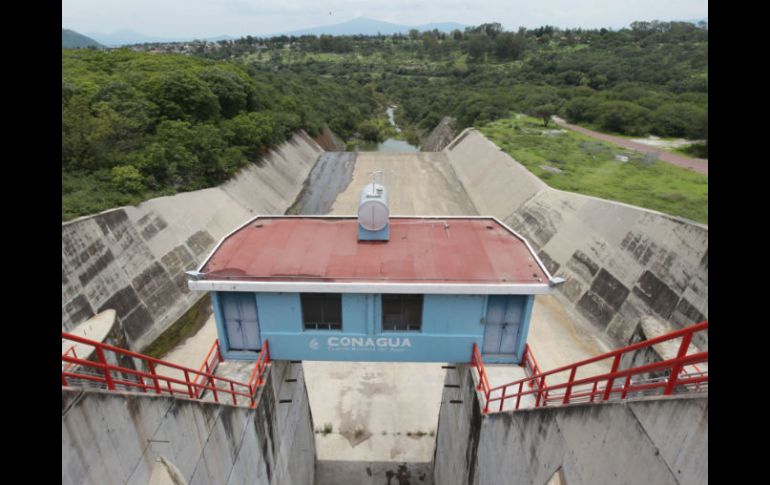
(133, 259)
(459, 429)
(620, 261)
(661, 441)
(115, 438)
(440, 137)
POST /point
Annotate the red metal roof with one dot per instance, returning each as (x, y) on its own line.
(421, 249)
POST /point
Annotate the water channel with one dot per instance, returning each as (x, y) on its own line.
(391, 144)
(333, 172)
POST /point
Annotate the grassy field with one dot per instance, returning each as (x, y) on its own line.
(697, 150)
(570, 161)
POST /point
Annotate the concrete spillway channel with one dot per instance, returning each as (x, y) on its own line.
(331, 175)
(381, 415)
(377, 422)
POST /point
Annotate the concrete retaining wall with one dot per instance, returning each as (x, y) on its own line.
(620, 261)
(133, 259)
(661, 441)
(115, 438)
(459, 427)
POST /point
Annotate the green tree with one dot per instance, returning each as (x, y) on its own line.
(680, 119)
(477, 47)
(369, 131)
(181, 95)
(431, 46)
(250, 131)
(81, 134)
(127, 179)
(230, 89)
(582, 108)
(623, 117)
(508, 46)
(128, 116)
(544, 112)
(170, 160)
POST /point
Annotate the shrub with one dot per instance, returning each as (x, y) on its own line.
(369, 131)
(127, 179)
(623, 117)
(680, 119)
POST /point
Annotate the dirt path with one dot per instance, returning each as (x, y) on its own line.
(697, 164)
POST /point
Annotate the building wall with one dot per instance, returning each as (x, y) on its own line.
(620, 262)
(133, 259)
(450, 326)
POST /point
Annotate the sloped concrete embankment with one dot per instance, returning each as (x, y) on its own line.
(133, 259)
(662, 441)
(205, 442)
(620, 262)
(440, 137)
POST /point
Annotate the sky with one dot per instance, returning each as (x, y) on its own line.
(210, 18)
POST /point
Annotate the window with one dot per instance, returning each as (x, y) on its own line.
(401, 312)
(322, 311)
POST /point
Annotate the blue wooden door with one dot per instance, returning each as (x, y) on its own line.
(503, 324)
(241, 323)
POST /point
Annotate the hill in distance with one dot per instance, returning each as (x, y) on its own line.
(358, 26)
(73, 40)
(695, 21)
(366, 26)
(131, 37)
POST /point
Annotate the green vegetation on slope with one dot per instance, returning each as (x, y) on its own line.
(138, 125)
(577, 163)
(73, 40)
(649, 78)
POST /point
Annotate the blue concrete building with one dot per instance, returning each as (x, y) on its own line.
(317, 290)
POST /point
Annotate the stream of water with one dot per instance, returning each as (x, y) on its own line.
(391, 144)
(334, 170)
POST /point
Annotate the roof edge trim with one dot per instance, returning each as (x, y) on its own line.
(370, 287)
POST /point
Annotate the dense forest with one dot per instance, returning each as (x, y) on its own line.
(651, 78)
(141, 124)
(137, 125)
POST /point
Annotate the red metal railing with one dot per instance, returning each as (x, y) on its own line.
(256, 380)
(530, 367)
(68, 365)
(193, 385)
(528, 361)
(483, 385)
(692, 371)
(616, 384)
(209, 366)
